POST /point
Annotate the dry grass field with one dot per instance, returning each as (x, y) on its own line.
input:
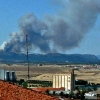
(45, 72)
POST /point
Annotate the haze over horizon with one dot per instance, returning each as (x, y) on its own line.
(60, 26)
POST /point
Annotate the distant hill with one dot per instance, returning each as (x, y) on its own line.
(98, 56)
(48, 58)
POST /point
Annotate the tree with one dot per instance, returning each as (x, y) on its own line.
(77, 90)
(71, 94)
(54, 93)
(82, 97)
(94, 87)
(61, 94)
(21, 81)
(25, 84)
(89, 89)
(47, 91)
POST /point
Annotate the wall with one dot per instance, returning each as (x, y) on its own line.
(64, 80)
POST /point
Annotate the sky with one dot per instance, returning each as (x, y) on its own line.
(61, 24)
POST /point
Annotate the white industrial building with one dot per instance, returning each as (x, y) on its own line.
(7, 75)
(64, 80)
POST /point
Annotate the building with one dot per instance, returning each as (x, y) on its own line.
(64, 80)
(7, 75)
(91, 96)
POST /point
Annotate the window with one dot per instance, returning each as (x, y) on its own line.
(68, 77)
(68, 80)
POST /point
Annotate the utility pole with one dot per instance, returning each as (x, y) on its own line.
(27, 56)
(26, 53)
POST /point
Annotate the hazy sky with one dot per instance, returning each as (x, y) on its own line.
(12, 10)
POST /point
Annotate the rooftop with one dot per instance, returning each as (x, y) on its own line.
(44, 89)
(10, 91)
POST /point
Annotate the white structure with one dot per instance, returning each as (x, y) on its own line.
(64, 80)
(7, 75)
(91, 96)
(2, 74)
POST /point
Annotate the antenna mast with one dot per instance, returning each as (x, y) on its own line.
(27, 56)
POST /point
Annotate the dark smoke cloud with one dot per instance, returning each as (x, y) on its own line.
(58, 33)
(34, 29)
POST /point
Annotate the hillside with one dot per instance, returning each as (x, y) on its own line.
(48, 58)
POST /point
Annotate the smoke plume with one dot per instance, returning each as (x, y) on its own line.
(58, 33)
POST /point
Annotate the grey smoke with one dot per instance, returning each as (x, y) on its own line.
(58, 33)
